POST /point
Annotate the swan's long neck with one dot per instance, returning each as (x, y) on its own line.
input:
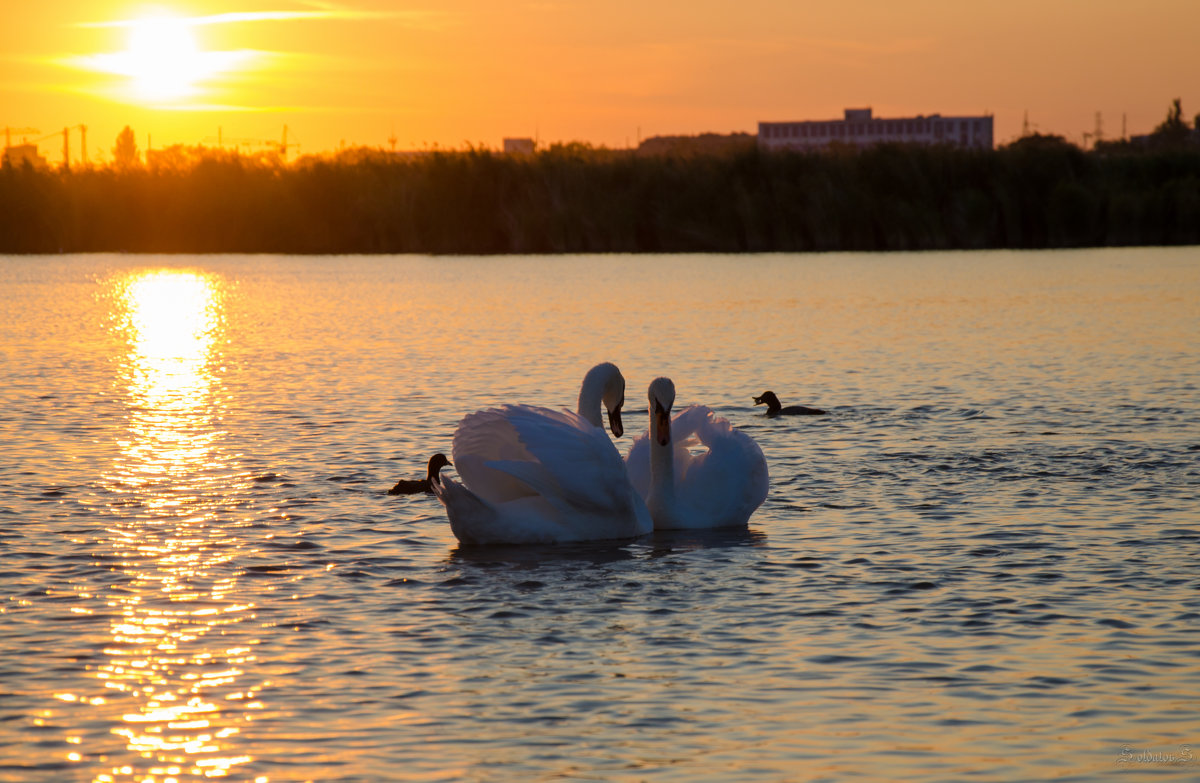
(662, 474)
(591, 394)
(662, 470)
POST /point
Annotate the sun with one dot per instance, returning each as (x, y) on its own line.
(165, 65)
(163, 59)
(162, 63)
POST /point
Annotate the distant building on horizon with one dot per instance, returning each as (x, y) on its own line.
(859, 128)
(21, 154)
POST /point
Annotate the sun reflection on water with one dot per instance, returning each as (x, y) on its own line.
(170, 320)
(178, 676)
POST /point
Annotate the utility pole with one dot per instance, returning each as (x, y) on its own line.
(66, 147)
(83, 143)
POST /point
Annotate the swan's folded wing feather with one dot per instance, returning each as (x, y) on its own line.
(484, 436)
(692, 421)
(469, 517)
(730, 479)
(683, 439)
(687, 431)
(475, 521)
(574, 463)
(489, 434)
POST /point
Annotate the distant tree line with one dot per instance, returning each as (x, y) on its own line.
(1040, 192)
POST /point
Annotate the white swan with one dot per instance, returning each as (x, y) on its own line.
(720, 487)
(538, 476)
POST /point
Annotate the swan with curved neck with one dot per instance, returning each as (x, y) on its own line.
(720, 487)
(603, 385)
(533, 475)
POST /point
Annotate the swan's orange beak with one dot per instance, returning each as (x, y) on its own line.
(663, 419)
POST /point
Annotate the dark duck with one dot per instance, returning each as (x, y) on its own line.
(425, 485)
(774, 408)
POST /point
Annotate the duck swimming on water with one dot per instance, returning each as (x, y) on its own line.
(417, 486)
(774, 408)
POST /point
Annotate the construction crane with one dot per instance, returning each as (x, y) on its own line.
(66, 134)
(282, 145)
(9, 131)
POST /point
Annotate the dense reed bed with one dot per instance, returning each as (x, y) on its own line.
(1037, 193)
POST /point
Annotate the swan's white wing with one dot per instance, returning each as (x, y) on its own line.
(486, 436)
(729, 480)
(474, 521)
(574, 465)
(470, 518)
(683, 439)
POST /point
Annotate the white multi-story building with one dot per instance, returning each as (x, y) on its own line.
(860, 129)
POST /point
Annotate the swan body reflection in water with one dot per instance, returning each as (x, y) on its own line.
(179, 677)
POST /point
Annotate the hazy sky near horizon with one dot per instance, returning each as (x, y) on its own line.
(474, 71)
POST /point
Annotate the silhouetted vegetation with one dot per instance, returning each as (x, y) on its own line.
(125, 151)
(1173, 130)
(1039, 192)
(703, 144)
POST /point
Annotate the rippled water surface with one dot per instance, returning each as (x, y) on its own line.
(981, 565)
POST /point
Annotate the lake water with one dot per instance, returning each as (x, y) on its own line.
(982, 565)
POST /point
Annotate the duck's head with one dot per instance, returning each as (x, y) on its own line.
(436, 463)
(662, 396)
(767, 398)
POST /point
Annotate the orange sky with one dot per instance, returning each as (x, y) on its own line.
(453, 72)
